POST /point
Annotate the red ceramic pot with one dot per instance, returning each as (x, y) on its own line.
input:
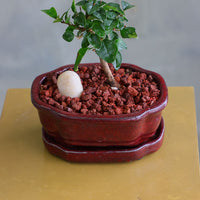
(102, 131)
(105, 154)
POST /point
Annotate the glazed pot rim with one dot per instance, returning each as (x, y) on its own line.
(158, 106)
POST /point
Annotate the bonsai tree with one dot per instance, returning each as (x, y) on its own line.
(73, 118)
(101, 26)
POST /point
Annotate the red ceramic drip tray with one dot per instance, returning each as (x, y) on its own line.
(105, 154)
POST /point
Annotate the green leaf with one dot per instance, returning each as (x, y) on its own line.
(108, 51)
(67, 17)
(58, 19)
(113, 35)
(64, 14)
(85, 43)
(51, 12)
(118, 61)
(79, 19)
(73, 6)
(120, 44)
(120, 25)
(79, 33)
(98, 28)
(128, 32)
(94, 8)
(126, 5)
(79, 57)
(81, 3)
(100, 14)
(89, 23)
(111, 14)
(68, 34)
(114, 7)
(121, 22)
(107, 23)
(114, 24)
(91, 18)
(94, 40)
(91, 7)
(101, 3)
(110, 25)
(123, 18)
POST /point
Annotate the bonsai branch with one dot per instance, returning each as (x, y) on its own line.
(109, 74)
(76, 27)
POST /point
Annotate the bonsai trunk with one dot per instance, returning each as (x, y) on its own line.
(109, 74)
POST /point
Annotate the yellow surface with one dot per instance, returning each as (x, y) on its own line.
(28, 171)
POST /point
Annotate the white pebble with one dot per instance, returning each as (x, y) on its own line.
(114, 88)
(69, 84)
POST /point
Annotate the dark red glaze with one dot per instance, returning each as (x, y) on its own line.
(105, 154)
(90, 130)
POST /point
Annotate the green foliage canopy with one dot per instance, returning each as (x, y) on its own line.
(101, 26)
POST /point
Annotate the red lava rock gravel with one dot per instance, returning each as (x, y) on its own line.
(138, 91)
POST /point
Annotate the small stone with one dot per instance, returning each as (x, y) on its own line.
(64, 104)
(90, 90)
(86, 97)
(98, 93)
(57, 96)
(114, 88)
(132, 91)
(51, 101)
(143, 76)
(87, 75)
(69, 84)
(77, 106)
(121, 71)
(127, 110)
(84, 111)
(139, 107)
(69, 109)
(84, 68)
(54, 79)
(118, 110)
(106, 113)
